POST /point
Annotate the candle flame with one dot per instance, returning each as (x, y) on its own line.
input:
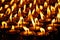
(1, 8)
(52, 8)
(53, 21)
(24, 8)
(58, 15)
(33, 11)
(37, 9)
(4, 24)
(42, 16)
(3, 1)
(45, 4)
(11, 2)
(8, 10)
(1, 14)
(34, 2)
(25, 28)
(41, 7)
(14, 6)
(48, 10)
(49, 28)
(13, 27)
(6, 6)
(10, 17)
(42, 30)
(21, 1)
(30, 5)
(15, 15)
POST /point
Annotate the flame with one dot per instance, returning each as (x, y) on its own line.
(21, 1)
(58, 15)
(15, 15)
(42, 16)
(42, 30)
(26, 29)
(58, 2)
(30, 5)
(29, 13)
(3, 1)
(11, 2)
(14, 6)
(37, 9)
(48, 10)
(8, 10)
(1, 8)
(52, 8)
(49, 28)
(33, 11)
(45, 4)
(53, 21)
(41, 7)
(10, 17)
(19, 11)
(34, 2)
(24, 8)
(36, 19)
(6, 6)
(1, 14)
(4, 24)
(13, 27)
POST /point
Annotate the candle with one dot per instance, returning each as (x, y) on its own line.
(37, 9)
(45, 4)
(33, 11)
(42, 32)
(42, 16)
(34, 2)
(24, 10)
(26, 32)
(41, 7)
(13, 31)
(4, 24)
(50, 28)
(1, 8)
(30, 5)
(11, 2)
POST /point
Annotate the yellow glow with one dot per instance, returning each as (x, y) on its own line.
(12, 27)
(42, 30)
(30, 5)
(42, 16)
(8, 11)
(2, 1)
(34, 1)
(21, 1)
(15, 15)
(25, 28)
(37, 9)
(45, 4)
(53, 21)
(49, 28)
(33, 11)
(11, 2)
(52, 8)
(24, 8)
(6, 6)
(41, 7)
(58, 15)
(1, 8)
(10, 17)
(1, 14)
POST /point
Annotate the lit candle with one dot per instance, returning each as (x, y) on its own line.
(6, 6)
(37, 9)
(19, 12)
(45, 4)
(30, 5)
(24, 10)
(34, 2)
(49, 28)
(2, 1)
(42, 16)
(26, 32)
(10, 17)
(41, 7)
(42, 32)
(11, 2)
(1, 8)
(33, 11)
(4, 24)
(1, 15)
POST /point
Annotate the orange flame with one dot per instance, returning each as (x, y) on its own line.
(45, 4)
(24, 8)
(30, 5)
(12, 27)
(10, 17)
(42, 30)
(1, 8)
(1, 14)
(42, 16)
(3, 1)
(34, 1)
(33, 11)
(58, 15)
(49, 28)
(6, 6)
(11, 2)
(8, 10)
(53, 21)
(41, 7)
(26, 29)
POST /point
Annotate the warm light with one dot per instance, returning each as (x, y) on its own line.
(37, 9)
(36, 19)
(15, 15)
(24, 8)
(30, 5)
(8, 11)
(34, 2)
(6, 6)
(52, 8)
(1, 14)
(10, 17)
(2, 1)
(48, 11)
(4, 24)
(49, 28)
(12, 27)
(58, 15)
(42, 16)
(45, 4)
(14, 6)
(1, 8)
(29, 13)
(21, 1)
(11, 2)
(53, 21)
(42, 30)
(25, 28)
(41, 7)
(33, 11)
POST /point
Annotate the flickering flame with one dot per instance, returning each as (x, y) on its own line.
(41, 7)
(45, 4)
(2, 1)
(11, 2)
(58, 15)
(48, 10)
(1, 14)
(34, 2)
(53, 21)
(14, 6)
(52, 8)
(36, 19)
(24, 8)
(15, 15)
(26, 29)
(29, 13)
(8, 10)
(13, 27)
(30, 5)
(37, 9)
(49, 28)
(21, 1)
(42, 16)
(58, 2)
(33, 11)
(10, 17)
(6, 6)
(19, 11)
(42, 30)
(1, 8)
(4, 24)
